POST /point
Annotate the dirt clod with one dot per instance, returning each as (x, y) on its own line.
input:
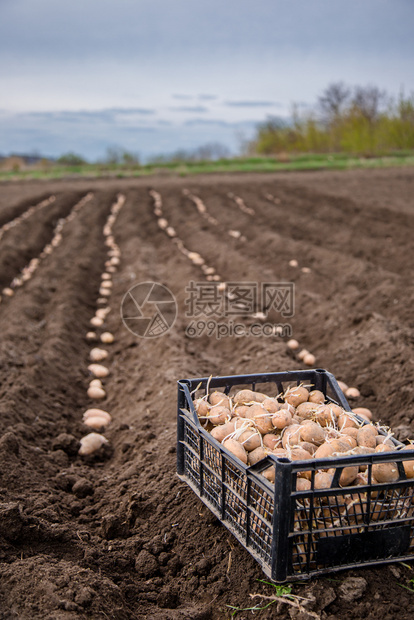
(352, 589)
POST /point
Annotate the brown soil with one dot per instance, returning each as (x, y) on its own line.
(118, 535)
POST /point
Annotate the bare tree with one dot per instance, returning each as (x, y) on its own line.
(333, 99)
(368, 100)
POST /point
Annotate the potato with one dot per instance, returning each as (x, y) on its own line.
(280, 452)
(257, 455)
(97, 370)
(408, 465)
(348, 475)
(383, 439)
(349, 440)
(307, 411)
(271, 441)
(352, 392)
(271, 405)
(98, 355)
(323, 480)
(219, 415)
(316, 396)
(309, 359)
(309, 447)
(241, 410)
(289, 407)
(269, 473)
(222, 431)
(296, 395)
(361, 479)
(340, 446)
(303, 484)
(385, 472)
(250, 440)
(281, 419)
(366, 436)
(336, 409)
(96, 422)
(202, 407)
(363, 450)
(346, 420)
(363, 411)
(351, 431)
(385, 447)
(324, 451)
(291, 435)
(299, 454)
(261, 418)
(325, 416)
(96, 393)
(312, 433)
(244, 396)
(107, 338)
(236, 448)
(91, 443)
(343, 386)
(218, 398)
(101, 313)
(90, 413)
(260, 397)
(96, 383)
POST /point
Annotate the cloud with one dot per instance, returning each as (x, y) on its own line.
(182, 97)
(252, 104)
(202, 121)
(197, 109)
(194, 122)
(203, 97)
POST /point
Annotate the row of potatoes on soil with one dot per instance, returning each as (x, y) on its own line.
(300, 425)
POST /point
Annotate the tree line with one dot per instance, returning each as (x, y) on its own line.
(363, 120)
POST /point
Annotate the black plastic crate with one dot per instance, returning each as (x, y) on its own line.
(296, 534)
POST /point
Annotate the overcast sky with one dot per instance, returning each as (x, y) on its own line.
(157, 75)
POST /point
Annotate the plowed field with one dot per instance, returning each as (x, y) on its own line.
(117, 534)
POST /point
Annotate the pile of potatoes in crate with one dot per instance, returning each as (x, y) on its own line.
(299, 425)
